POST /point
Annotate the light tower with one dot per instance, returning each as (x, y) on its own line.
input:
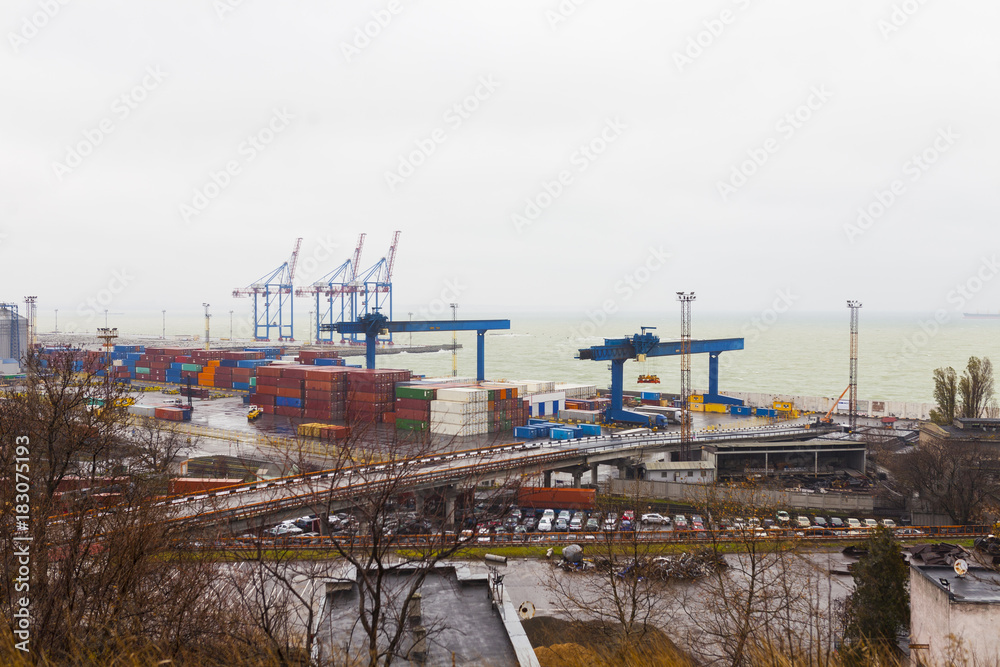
(686, 298)
(108, 336)
(207, 316)
(454, 341)
(852, 411)
(30, 302)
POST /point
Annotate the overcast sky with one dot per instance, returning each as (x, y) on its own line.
(537, 156)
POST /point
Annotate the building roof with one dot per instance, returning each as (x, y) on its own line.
(979, 585)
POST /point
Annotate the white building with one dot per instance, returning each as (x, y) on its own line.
(954, 619)
(687, 472)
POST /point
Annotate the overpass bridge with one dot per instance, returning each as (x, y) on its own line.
(246, 504)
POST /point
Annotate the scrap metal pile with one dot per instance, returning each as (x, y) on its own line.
(685, 566)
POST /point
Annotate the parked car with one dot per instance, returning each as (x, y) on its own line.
(820, 521)
(836, 522)
(520, 532)
(626, 525)
(628, 515)
(803, 521)
(565, 514)
(871, 524)
(529, 523)
(680, 523)
(561, 525)
(576, 523)
(549, 514)
(516, 513)
(909, 531)
(889, 523)
(610, 521)
(593, 524)
(654, 518)
(782, 516)
(853, 523)
(696, 518)
(283, 529)
(545, 525)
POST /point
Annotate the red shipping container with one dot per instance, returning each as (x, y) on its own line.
(289, 393)
(268, 371)
(316, 405)
(267, 409)
(315, 414)
(262, 399)
(267, 390)
(294, 372)
(415, 415)
(286, 411)
(290, 383)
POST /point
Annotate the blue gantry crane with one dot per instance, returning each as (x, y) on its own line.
(642, 345)
(336, 294)
(375, 324)
(274, 300)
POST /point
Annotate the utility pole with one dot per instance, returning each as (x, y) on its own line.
(207, 316)
(852, 412)
(411, 333)
(164, 334)
(686, 298)
(230, 326)
(454, 341)
(57, 320)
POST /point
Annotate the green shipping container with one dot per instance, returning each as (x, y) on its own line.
(253, 382)
(140, 369)
(419, 393)
(410, 425)
(191, 367)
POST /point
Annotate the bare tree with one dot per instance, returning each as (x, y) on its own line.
(103, 571)
(622, 591)
(762, 603)
(960, 479)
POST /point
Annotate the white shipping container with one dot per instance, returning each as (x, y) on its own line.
(463, 395)
(577, 390)
(452, 407)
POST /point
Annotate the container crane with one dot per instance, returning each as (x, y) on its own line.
(335, 294)
(273, 300)
(374, 285)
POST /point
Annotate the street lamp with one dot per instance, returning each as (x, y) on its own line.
(206, 324)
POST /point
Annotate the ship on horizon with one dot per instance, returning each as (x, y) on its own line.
(982, 316)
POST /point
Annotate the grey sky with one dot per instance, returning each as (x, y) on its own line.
(872, 86)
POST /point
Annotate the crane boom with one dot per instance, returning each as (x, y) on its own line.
(826, 418)
(391, 257)
(356, 260)
(294, 261)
